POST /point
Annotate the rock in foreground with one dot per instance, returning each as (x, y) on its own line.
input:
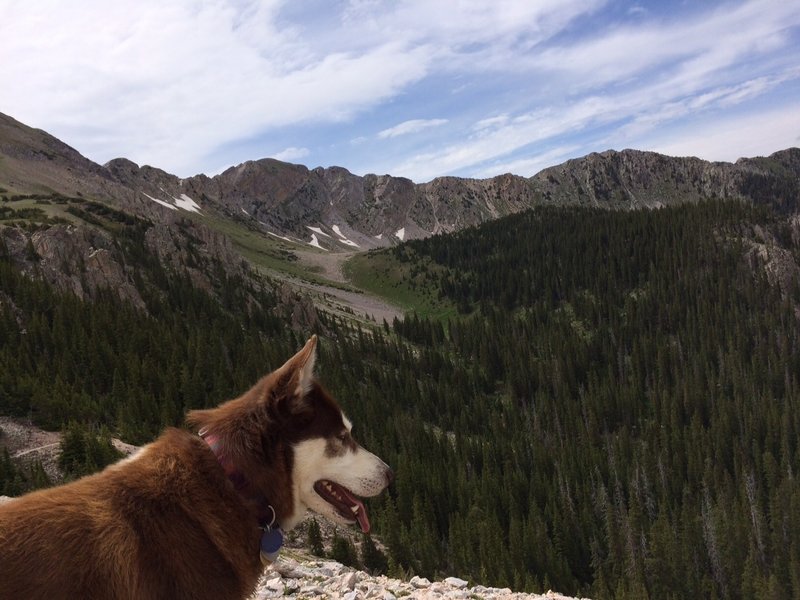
(298, 576)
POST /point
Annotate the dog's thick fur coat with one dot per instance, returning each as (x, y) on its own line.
(169, 523)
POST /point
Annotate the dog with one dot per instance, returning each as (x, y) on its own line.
(195, 515)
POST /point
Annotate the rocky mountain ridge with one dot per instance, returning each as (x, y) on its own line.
(333, 209)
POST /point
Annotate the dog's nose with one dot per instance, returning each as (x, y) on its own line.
(389, 476)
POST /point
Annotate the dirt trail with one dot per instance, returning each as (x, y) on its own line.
(329, 266)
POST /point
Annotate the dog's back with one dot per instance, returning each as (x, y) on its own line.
(165, 524)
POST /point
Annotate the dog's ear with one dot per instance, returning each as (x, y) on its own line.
(200, 419)
(297, 374)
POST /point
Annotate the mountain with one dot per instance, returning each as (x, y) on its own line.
(336, 210)
(634, 179)
(339, 210)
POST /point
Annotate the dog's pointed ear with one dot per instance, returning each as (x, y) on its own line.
(200, 419)
(298, 371)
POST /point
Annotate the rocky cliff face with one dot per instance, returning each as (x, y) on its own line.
(634, 179)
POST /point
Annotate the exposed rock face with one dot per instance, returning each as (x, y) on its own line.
(765, 253)
(295, 575)
(86, 260)
(76, 259)
(634, 179)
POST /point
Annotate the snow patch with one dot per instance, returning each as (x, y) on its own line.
(343, 239)
(161, 202)
(317, 230)
(401, 234)
(315, 242)
(283, 237)
(379, 236)
(187, 203)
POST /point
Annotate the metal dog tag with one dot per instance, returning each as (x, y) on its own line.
(271, 543)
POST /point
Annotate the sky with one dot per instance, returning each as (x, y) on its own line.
(413, 88)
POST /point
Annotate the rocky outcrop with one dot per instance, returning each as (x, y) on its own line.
(80, 260)
(296, 575)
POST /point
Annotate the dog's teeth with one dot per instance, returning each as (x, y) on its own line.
(354, 508)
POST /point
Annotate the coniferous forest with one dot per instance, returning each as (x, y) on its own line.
(614, 413)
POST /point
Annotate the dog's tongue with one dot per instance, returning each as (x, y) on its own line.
(361, 515)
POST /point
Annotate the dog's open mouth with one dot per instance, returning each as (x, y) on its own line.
(344, 501)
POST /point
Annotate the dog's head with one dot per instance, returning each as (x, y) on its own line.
(294, 446)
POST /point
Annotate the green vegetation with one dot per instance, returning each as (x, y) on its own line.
(639, 386)
(615, 411)
(84, 451)
(343, 551)
(315, 538)
(268, 254)
(406, 284)
(15, 481)
(372, 559)
(107, 363)
(33, 211)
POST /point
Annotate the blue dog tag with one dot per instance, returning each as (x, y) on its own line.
(271, 542)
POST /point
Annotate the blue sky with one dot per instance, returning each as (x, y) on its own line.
(411, 88)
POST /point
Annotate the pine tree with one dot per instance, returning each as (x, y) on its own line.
(343, 551)
(315, 538)
(372, 559)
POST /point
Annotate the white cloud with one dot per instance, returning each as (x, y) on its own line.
(291, 154)
(508, 135)
(630, 114)
(490, 122)
(758, 134)
(167, 83)
(529, 165)
(687, 51)
(412, 126)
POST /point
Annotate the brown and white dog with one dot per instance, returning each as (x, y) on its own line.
(186, 516)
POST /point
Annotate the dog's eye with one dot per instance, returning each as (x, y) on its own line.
(343, 436)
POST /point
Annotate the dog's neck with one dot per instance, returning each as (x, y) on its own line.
(264, 511)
